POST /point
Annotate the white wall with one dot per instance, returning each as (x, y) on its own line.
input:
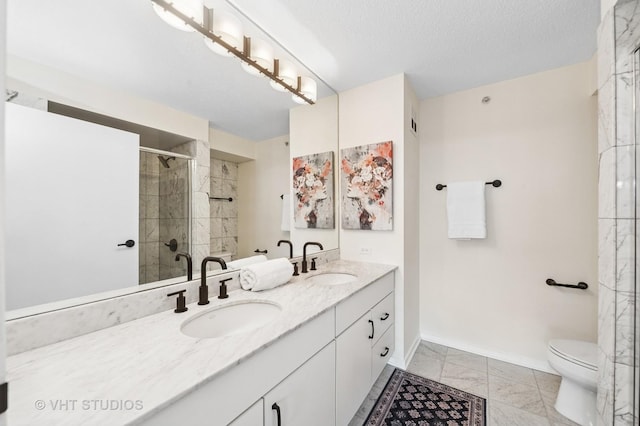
(240, 149)
(538, 135)
(376, 113)
(411, 211)
(3, 352)
(314, 129)
(58, 86)
(260, 184)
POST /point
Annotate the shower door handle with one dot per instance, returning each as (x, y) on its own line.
(128, 243)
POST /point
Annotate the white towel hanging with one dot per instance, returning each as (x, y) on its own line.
(466, 210)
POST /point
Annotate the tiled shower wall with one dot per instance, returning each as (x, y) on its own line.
(224, 214)
(618, 35)
(164, 212)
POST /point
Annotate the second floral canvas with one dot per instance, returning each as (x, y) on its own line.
(313, 191)
(366, 179)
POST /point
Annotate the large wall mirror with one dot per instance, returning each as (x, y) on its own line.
(122, 128)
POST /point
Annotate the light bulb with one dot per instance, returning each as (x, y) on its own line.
(287, 73)
(229, 29)
(308, 88)
(262, 53)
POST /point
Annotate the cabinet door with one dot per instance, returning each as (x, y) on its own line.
(306, 397)
(353, 368)
(381, 352)
(254, 416)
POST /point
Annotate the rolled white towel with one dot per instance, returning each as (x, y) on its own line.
(266, 275)
(237, 264)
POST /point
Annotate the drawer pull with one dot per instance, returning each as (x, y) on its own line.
(386, 352)
(373, 329)
(277, 408)
(386, 315)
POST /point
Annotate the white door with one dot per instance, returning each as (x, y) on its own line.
(72, 197)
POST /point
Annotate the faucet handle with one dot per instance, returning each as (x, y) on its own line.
(223, 288)
(313, 263)
(295, 269)
(181, 301)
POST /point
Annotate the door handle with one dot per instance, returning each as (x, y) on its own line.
(128, 243)
(373, 329)
(277, 408)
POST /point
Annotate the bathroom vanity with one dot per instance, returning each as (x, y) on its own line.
(312, 364)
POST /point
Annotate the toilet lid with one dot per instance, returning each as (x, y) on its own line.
(576, 351)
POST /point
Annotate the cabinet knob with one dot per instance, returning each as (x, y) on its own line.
(277, 408)
(385, 353)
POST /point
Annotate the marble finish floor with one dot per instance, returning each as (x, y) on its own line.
(516, 396)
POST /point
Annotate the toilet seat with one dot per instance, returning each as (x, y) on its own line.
(577, 352)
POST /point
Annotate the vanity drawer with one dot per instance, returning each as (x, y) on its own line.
(381, 353)
(383, 316)
(348, 311)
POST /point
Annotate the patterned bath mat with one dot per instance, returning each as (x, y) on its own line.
(412, 400)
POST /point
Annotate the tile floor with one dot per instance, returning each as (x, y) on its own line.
(516, 396)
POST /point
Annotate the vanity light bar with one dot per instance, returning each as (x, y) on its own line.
(244, 55)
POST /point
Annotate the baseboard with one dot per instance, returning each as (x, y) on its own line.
(398, 361)
(527, 362)
(412, 350)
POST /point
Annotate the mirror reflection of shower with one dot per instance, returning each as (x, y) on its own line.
(165, 161)
(165, 191)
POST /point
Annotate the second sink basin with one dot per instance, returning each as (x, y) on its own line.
(230, 320)
(332, 278)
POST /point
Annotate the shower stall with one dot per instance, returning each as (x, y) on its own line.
(165, 214)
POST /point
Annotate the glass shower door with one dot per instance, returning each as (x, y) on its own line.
(165, 214)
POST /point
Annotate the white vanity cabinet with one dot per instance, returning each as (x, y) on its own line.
(364, 344)
(318, 374)
(293, 359)
(252, 417)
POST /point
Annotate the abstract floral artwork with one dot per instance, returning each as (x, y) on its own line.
(313, 191)
(366, 177)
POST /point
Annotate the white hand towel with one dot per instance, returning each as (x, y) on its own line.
(466, 210)
(285, 224)
(266, 275)
(237, 264)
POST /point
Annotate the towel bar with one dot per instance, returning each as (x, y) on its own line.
(219, 198)
(580, 285)
(496, 184)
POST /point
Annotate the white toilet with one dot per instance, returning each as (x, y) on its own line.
(576, 362)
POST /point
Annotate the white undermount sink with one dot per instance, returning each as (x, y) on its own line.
(230, 320)
(332, 278)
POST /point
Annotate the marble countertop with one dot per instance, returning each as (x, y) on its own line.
(124, 373)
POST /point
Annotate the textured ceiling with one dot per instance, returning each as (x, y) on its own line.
(442, 45)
